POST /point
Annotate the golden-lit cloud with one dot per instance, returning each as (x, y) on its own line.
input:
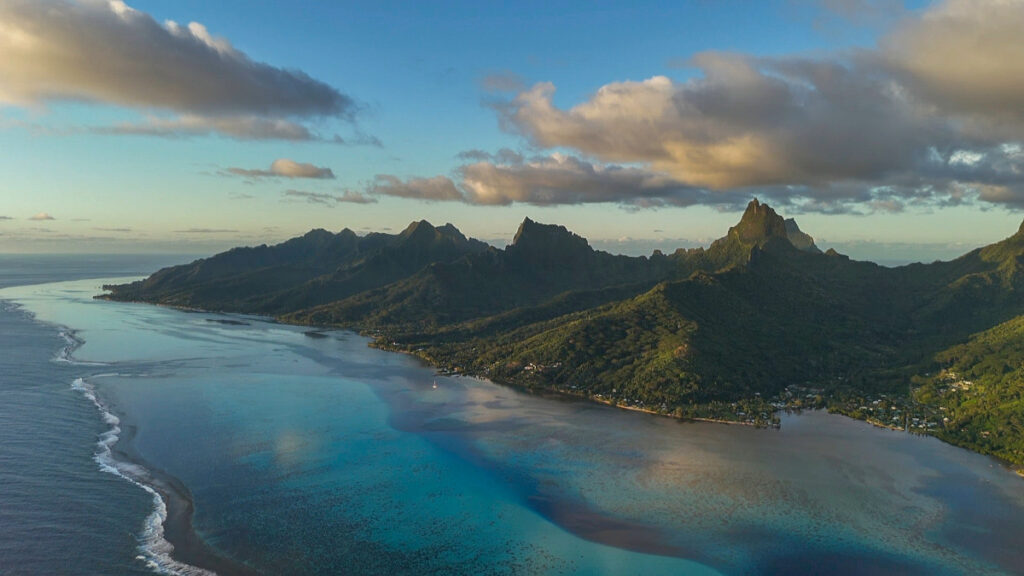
(744, 123)
(432, 189)
(285, 168)
(195, 82)
(563, 179)
(931, 115)
(507, 178)
(41, 216)
(236, 127)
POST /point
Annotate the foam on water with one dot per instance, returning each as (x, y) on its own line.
(66, 353)
(154, 550)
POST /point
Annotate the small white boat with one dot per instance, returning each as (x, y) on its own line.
(435, 384)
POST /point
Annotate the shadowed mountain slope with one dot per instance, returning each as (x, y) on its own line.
(713, 332)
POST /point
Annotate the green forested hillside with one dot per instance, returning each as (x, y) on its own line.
(302, 272)
(543, 262)
(758, 320)
(979, 389)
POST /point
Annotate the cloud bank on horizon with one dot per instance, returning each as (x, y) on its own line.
(185, 81)
(931, 116)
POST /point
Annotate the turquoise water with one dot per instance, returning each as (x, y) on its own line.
(319, 455)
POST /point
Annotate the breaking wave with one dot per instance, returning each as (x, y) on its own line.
(154, 549)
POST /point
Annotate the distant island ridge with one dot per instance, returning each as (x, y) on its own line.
(759, 321)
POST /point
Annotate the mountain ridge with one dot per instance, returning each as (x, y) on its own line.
(727, 332)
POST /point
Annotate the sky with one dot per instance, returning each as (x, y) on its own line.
(890, 130)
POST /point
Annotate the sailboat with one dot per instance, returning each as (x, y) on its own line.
(435, 384)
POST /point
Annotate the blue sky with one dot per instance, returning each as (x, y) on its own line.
(660, 121)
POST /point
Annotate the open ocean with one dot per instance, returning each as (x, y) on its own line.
(271, 449)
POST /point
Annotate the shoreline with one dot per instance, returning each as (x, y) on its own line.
(1013, 467)
(550, 392)
(681, 419)
(189, 547)
(186, 546)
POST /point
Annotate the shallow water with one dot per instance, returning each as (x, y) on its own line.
(313, 455)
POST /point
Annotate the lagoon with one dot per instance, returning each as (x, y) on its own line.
(318, 455)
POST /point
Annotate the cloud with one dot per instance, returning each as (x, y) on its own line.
(122, 230)
(235, 127)
(285, 168)
(746, 123)
(353, 197)
(42, 216)
(502, 82)
(206, 231)
(562, 179)
(504, 155)
(431, 189)
(6, 218)
(348, 196)
(865, 130)
(109, 53)
(857, 11)
(552, 180)
(966, 58)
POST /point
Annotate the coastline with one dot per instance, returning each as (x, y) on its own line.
(371, 342)
(681, 419)
(1018, 469)
(189, 547)
(559, 394)
(188, 553)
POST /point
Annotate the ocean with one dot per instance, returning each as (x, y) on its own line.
(137, 439)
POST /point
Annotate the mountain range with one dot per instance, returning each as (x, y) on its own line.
(761, 319)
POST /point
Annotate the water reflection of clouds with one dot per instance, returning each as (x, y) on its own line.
(825, 479)
(292, 446)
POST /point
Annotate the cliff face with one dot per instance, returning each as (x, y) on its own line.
(547, 243)
(758, 224)
(800, 239)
